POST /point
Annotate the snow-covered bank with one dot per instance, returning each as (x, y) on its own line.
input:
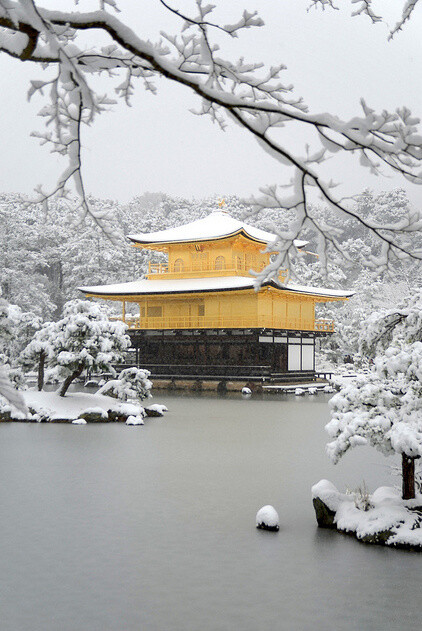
(50, 407)
(382, 518)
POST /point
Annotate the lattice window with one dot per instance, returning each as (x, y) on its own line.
(220, 262)
(155, 312)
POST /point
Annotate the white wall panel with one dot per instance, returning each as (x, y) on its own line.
(294, 357)
(307, 357)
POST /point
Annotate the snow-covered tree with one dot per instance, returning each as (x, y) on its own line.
(84, 339)
(252, 96)
(16, 329)
(384, 409)
(7, 325)
(40, 350)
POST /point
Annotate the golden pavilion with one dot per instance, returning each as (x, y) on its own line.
(200, 314)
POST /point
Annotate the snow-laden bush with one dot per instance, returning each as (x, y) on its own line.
(132, 383)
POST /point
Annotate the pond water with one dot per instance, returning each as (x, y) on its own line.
(108, 527)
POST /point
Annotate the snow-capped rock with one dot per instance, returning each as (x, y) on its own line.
(79, 421)
(384, 518)
(94, 415)
(312, 390)
(299, 392)
(267, 518)
(246, 390)
(155, 410)
(135, 420)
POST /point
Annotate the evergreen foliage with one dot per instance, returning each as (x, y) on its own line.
(384, 409)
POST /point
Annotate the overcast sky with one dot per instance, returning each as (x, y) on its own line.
(158, 145)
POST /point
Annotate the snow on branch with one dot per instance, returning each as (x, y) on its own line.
(254, 97)
(407, 11)
(364, 7)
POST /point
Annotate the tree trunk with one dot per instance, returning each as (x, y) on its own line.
(408, 474)
(41, 365)
(68, 380)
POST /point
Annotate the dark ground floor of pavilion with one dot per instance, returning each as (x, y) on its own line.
(226, 353)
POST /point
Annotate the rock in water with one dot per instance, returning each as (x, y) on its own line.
(134, 420)
(155, 410)
(267, 518)
(246, 390)
(79, 421)
(299, 392)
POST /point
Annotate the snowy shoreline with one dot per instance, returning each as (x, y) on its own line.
(380, 518)
(95, 408)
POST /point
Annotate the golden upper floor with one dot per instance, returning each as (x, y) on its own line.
(217, 245)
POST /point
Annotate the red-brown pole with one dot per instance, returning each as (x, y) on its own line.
(408, 474)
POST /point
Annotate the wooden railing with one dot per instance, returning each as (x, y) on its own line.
(155, 270)
(324, 325)
(252, 322)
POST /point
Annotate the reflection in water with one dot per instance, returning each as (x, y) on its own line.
(108, 527)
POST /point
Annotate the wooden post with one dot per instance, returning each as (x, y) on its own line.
(41, 365)
(408, 474)
(124, 310)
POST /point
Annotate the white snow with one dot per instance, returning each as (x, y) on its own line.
(129, 409)
(216, 225)
(320, 291)
(387, 511)
(311, 385)
(75, 403)
(267, 516)
(246, 390)
(299, 392)
(216, 283)
(328, 493)
(135, 420)
(157, 407)
(79, 421)
(95, 410)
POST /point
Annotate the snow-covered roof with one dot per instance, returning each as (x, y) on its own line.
(217, 225)
(193, 285)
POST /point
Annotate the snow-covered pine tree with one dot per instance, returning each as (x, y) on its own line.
(384, 409)
(40, 351)
(84, 339)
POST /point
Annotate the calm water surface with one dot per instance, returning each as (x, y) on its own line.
(108, 527)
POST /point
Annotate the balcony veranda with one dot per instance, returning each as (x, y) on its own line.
(202, 322)
(162, 271)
